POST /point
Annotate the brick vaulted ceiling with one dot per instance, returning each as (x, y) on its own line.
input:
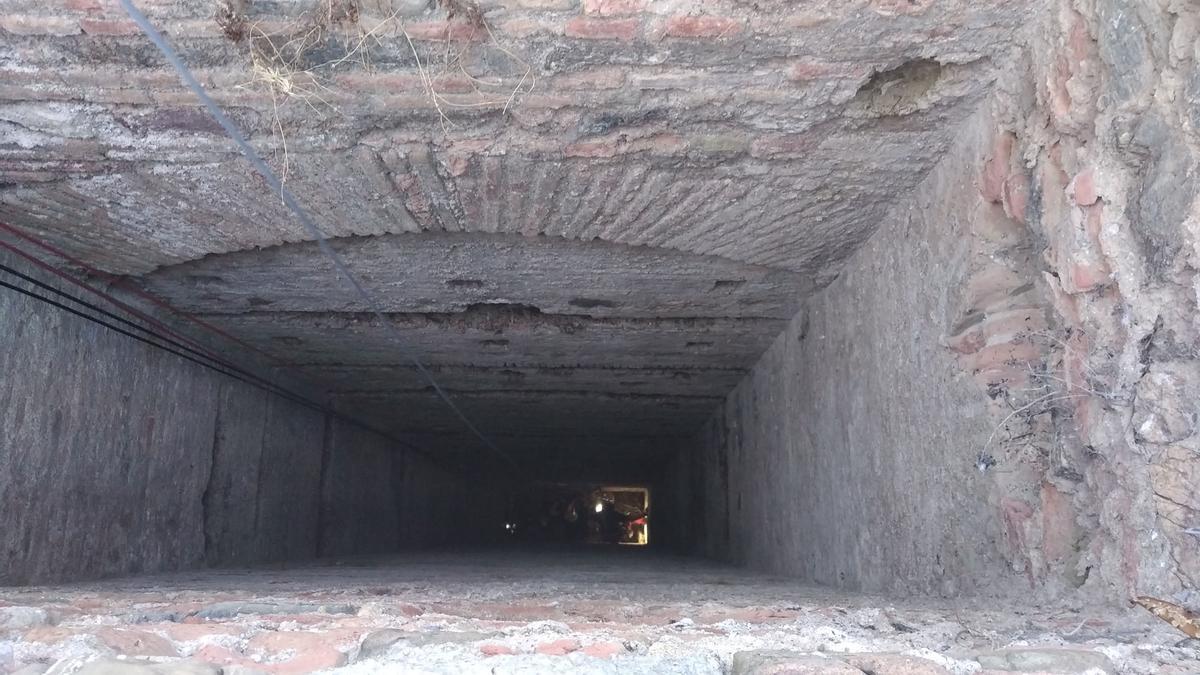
(590, 217)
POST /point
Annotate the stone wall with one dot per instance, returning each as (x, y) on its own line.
(121, 458)
(1005, 379)
(1105, 142)
(848, 455)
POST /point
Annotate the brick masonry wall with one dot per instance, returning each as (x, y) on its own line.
(1004, 380)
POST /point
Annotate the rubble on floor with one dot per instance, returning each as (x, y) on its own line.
(598, 612)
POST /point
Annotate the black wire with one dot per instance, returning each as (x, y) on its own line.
(120, 319)
(117, 329)
(228, 370)
(221, 366)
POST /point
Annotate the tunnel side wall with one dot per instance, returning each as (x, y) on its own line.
(121, 458)
(1006, 379)
(847, 456)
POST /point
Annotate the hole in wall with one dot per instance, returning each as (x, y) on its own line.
(591, 303)
(898, 91)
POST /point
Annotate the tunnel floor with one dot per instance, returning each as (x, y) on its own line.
(556, 610)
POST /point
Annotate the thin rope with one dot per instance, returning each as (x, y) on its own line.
(298, 211)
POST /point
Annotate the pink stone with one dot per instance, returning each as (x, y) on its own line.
(604, 650)
(702, 26)
(613, 7)
(135, 642)
(1016, 197)
(492, 649)
(558, 647)
(995, 169)
(1082, 189)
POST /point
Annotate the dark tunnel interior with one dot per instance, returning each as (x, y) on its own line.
(609, 336)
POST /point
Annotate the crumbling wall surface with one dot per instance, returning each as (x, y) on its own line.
(847, 456)
(1006, 378)
(1103, 140)
(105, 444)
(121, 458)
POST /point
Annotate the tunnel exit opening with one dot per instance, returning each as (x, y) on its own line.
(579, 513)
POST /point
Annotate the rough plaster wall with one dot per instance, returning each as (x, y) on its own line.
(120, 458)
(289, 482)
(360, 513)
(848, 455)
(104, 464)
(231, 500)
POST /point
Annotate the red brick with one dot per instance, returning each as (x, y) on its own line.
(1016, 514)
(105, 27)
(1082, 189)
(188, 632)
(1059, 531)
(548, 5)
(492, 649)
(998, 328)
(457, 31)
(592, 149)
(1087, 273)
(603, 29)
(604, 650)
(49, 635)
(313, 651)
(39, 25)
(612, 145)
(613, 7)
(702, 26)
(810, 69)
(558, 647)
(391, 83)
(458, 164)
(526, 26)
(1016, 196)
(223, 656)
(999, 360)
(995, 169)
(599, 78)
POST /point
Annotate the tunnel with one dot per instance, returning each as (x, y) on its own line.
(599, 336)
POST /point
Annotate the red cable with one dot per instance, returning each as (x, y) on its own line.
(122, 281)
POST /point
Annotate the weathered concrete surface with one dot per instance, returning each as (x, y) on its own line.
(122, 458)
(105, 464)
(847, 456)
(289, 482)
(445, 273)
(231, 497)
(360, 511)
